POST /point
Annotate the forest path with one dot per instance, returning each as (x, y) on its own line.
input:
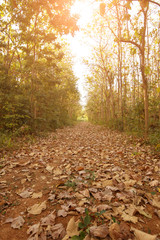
(75, 168)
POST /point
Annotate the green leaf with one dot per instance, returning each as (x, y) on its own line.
(87, 220)
(153, 193)
(81, 225)
(98, 214)
(75, 238)
(80, 237)
(114, 219)
(86, 211)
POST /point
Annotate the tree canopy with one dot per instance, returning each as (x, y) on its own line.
(37, 84)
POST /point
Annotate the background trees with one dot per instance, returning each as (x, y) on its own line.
(37, 85)
(127, 67)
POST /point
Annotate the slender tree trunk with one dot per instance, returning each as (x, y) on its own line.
(33, 84)
(120, 85)
(158, 70)
(144, 78)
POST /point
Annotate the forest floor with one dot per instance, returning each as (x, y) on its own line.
(77, 171)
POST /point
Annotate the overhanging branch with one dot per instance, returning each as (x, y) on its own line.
(132, 42)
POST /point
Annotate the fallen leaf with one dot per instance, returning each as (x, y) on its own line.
(99, 231)
(72, 229)
(48, 220)
(33, 231)
(25, 194)
(37, 208)
(115, 232)
(155, 202)
(129, 183)
(57, 172)
(85, 193)
(62, 213)
(157, 212)
(142, 212)
(16, 222)
(142, 235)
(37, 195)
(51, 197)
(107, 183)
(97, 196)
(129, 218)
(154, 183)
(57, 231)
(49, 168)
(103, 207)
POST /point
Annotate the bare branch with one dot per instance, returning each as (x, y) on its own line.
(158, 4)
(132, 42)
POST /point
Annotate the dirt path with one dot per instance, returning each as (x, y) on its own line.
(78, 168)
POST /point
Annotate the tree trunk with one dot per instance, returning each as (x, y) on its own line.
(144, 77)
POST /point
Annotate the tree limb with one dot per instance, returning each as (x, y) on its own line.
(132, 42)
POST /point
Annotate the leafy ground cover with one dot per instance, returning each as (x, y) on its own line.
(81, 182)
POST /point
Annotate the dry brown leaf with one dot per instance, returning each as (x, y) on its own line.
(87, 237)
(129, 218)
(72, 229)
(114, 231)
(37, 195)
(48, 220)
(25, 194)
(123, 197)
(63, 195)
(80, 209)
(155, 202)
(97, 196)
(107, 195)
(16, 223)
(119, 210)
(141, 211)
(154, 183)
(157, 212)
(121, 231)
(107, 183)
(82, 202)
(37, 208)
(57, 231)
(142, 235)
(51, 197)
(131, 209)
(85, 193)
(49, 168)
(103, 207)
(62, 213)
(129, 183)
(99, 231)
(34, 231)
(57, 172)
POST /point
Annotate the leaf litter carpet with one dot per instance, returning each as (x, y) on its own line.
(81, 182)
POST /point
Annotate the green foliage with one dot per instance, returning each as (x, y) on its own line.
(71, 184)
(6, 141)
(86, 222)
(83, 226)
(38, 89)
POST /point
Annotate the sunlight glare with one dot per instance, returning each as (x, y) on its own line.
(84, 9)
(80, 43)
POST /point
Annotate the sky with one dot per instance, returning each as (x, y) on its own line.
(80, 44)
